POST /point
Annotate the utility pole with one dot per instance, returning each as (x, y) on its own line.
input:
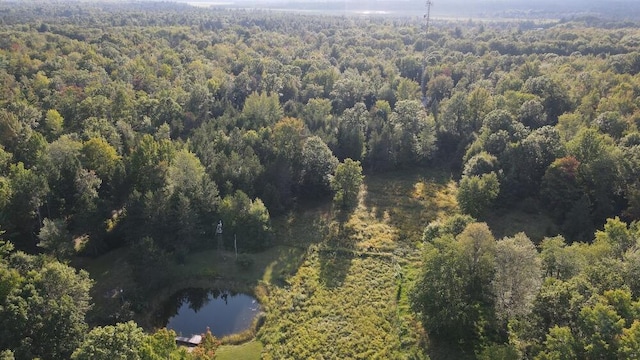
(423, 83)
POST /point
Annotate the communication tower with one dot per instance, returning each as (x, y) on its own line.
(423, 83)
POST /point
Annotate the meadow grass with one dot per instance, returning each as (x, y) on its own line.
(246, 351)
(348, 298)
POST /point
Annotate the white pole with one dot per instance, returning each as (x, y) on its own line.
(235, 245)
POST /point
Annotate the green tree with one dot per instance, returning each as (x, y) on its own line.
(629, 347)
(346, 183)
(455, 122)
(86, 184)
(127, 341)
(187, 175)
(28, 191)
(517, 278)
(560, 187)
(617, 236)
(601, 327)
(410, 67)
(439, 88)
(560, 344)
(479, 164)
(350, 89)
(53, 123)
(600, 172)
(206, 350)
(260, 110)
(632, 270)
(453, 293)
(161, 345)
(611, 123)
(147, 165)
(555, 98)
(453, 225)
(9, 277)
(413, 132)
(288, 134)
(351, 132)
(558, 260)
(55, 238)
(498, 351)
(558, 303)
(43, 317)
(408, 90)
(318, 165)
(524, 163)
(477, 193)
(122, 341)
(248, 220)
(98, 155)
(532, 114)
(317, 116)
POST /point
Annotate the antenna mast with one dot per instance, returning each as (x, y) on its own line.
(423, 83)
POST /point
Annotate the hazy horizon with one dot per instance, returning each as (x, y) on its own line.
(621, 9)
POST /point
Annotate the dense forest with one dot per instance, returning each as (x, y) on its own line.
(141, 126)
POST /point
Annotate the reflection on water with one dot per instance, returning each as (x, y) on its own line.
(191, 311)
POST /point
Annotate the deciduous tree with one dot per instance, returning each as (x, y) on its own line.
(346, 183)
(517, 278)
(477, 193)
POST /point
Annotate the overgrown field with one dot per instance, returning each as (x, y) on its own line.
(348, 298)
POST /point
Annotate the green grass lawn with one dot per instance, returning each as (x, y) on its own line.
(247, 351)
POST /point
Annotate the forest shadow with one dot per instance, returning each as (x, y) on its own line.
(523, 217)
(409, 199)
(334, 266)
(336, 252)
(442, 350)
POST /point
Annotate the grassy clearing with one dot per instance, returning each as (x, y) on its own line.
(276, 261)
(348, 299)
(335, 307)
(410, 200)
(329, 288)
(247, 351)
(110, 273)
(333, 285)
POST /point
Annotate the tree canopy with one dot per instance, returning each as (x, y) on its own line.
(140, 126)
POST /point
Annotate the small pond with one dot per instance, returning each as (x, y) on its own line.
(191, 311)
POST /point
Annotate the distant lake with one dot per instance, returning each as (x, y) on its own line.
(191, 311)
(332, 8)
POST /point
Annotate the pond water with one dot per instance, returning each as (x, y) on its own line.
(191, 311)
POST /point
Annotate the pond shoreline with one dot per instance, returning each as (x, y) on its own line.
(149, 317)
